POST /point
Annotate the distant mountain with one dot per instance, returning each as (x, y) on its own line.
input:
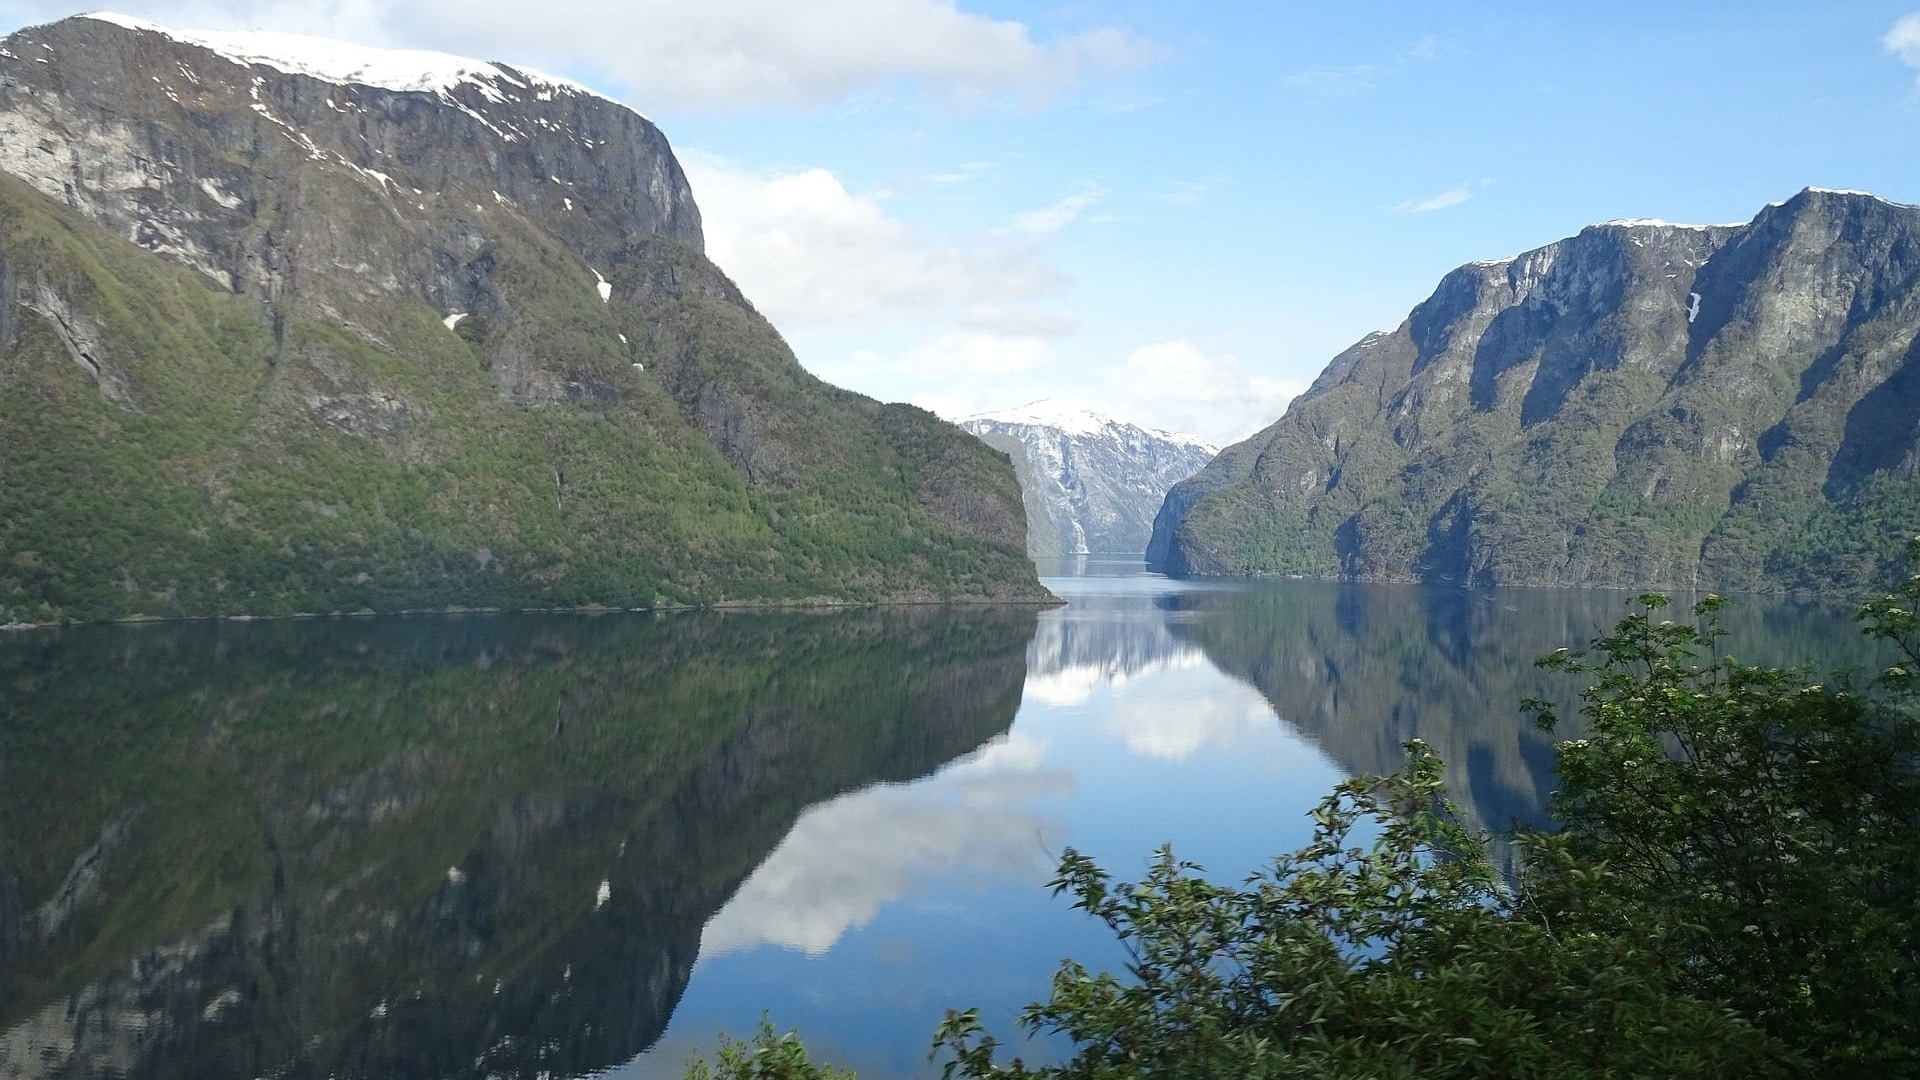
(1090, 483)
(1641, 405)
(294, 325)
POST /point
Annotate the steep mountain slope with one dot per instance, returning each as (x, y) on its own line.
(1091, 483)
(413, 331)
(1642, 404)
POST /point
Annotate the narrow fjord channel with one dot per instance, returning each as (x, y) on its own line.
(519, 845)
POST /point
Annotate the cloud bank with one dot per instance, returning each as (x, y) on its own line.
(809, 252)
(700, 53)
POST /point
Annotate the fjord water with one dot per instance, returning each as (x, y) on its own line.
(517, 845)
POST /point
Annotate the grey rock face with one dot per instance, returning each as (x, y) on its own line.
(1091, 484)
(1640, 405)
(88, 112)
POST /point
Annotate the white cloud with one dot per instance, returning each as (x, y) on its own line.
(1052, 218)
(1175, 386)
(979, 354)
(1333, 82)
(701, 52)
(1903, 40)
(967, 171)
(1453, 196)
(1186, 193)
(810, 252)
(1019, 321)
(1430, 47)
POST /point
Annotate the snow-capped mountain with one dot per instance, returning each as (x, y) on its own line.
(1091, 483)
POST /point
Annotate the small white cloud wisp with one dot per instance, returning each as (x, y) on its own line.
(1453, 196)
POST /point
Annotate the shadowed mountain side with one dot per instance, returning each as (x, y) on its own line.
(1362, 669)
(429, 847)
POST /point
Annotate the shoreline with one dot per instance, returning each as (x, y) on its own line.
(1049, 601)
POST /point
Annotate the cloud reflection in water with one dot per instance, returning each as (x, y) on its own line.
(847, 858)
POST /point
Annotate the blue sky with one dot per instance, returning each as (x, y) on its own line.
(1175, 212)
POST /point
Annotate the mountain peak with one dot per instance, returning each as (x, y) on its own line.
(1075, 420)
(404, 70)
(209, 121)
(1656, 223)
(1090, 483)
(1812, 190)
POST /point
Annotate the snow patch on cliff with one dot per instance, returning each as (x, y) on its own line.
(405, 70)
(1074, 420)
(1655, 223)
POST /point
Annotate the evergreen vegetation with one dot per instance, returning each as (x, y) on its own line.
(1733, 890)
(215, 455)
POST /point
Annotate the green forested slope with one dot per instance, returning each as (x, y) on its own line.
(208, 453)
(273, 342)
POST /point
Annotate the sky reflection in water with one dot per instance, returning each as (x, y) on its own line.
(886, 906)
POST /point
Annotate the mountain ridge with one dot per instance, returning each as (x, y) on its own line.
(275, 344)
(1090, 483)
(1642, 404)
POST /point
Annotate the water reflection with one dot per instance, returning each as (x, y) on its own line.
(847, 858)
(428, 847)
(1362, 669)
(515, 846)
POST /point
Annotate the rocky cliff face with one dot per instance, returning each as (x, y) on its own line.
(350, 328)
(1091, 483)
(91, 110)
(1640, 405)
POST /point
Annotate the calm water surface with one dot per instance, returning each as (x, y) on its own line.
(518, 846)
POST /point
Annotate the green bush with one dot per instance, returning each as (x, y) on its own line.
(1403, 956)
(770, 1056)
(1769, 823)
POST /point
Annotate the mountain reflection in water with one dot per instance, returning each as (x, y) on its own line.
(1362, 669)
(523, 845)
(428, 847)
